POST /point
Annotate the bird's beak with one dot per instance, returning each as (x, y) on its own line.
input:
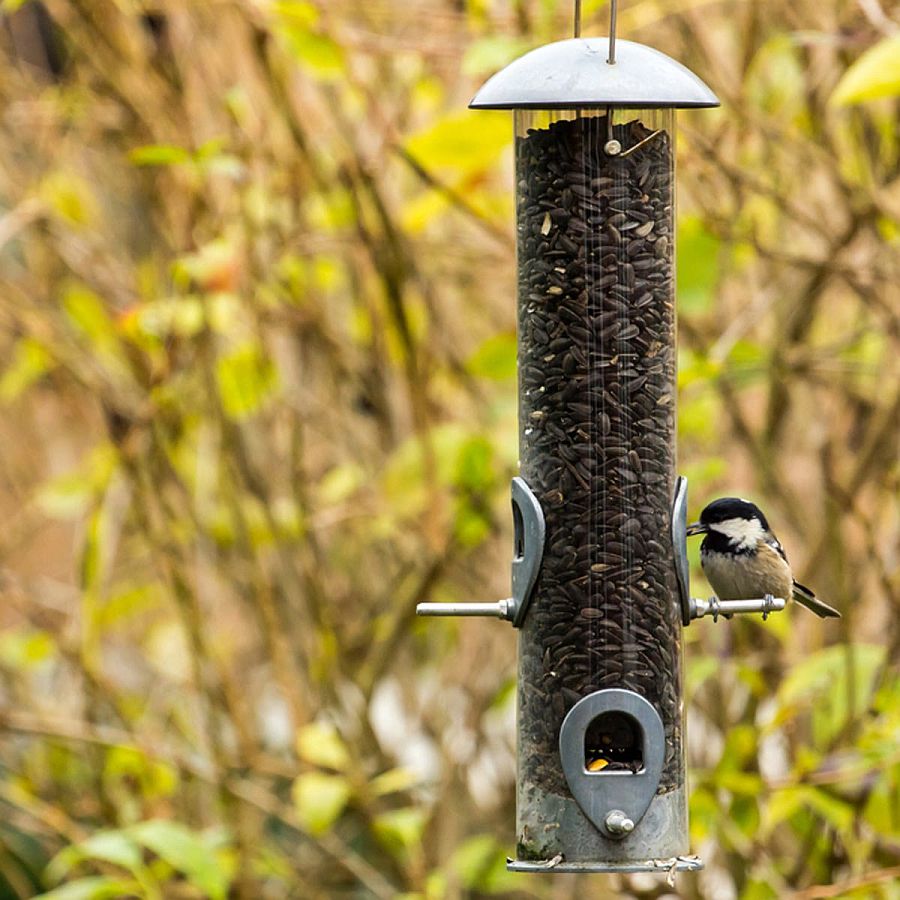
(696, 528)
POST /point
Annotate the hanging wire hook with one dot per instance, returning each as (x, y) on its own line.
(611, 59)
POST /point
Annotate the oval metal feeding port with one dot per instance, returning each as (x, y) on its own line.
(611, 746)
(600, 579)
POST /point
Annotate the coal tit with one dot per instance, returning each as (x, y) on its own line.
(742, 559)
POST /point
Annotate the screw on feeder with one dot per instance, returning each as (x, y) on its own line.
(618, 823)
(612, 147)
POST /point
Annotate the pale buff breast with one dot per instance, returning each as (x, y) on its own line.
(746, 577)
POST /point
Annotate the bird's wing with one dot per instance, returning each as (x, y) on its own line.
(775, 544)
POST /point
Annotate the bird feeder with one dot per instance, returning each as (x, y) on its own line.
(600, 576)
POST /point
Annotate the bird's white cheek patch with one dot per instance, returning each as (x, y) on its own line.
(744, 534)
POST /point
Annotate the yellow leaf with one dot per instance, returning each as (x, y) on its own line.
(246, 378)
(400, 830)
(463, 142)
(392, 781)
(69, 197)
(320, 799)
(321, 745)
(875, 74)
(30, 361)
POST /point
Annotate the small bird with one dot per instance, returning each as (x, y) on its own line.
(742, 559)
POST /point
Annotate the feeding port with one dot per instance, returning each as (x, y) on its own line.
(613, 742)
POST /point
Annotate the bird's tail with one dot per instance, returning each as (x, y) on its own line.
(807, 598)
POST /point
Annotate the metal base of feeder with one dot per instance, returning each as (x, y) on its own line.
(551, 825)
(678, 864)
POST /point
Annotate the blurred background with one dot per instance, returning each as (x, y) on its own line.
(257, 375)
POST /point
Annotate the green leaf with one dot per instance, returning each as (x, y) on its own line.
(881, 809)
(87, 312)
(474, 470)
(462, 142)
(320, 799)
(785, 803)
(100, 887)
(68, 495)
(400, 830)
(124, 602)
(472, 858)
(393, 781)
(705, 813)
(166, 316)
(749, 357)
(29, 362)
(820, 682)
(740, 783)
(320, 745)
(159, 155)
(114, 847)
(488, 54)
(696, 368)
(470, 526)
(316, 52)
(836, 812)
(740, 748)
(697, 270)
(775, 81)
(69, 197)
(25, 648)
(780, 807)
(297, 24)
(744, 813)
(129, 766)
(699, 668)
(246, 378)
(183, 850)
(874, 75)
(480, 864)
(495, 358)
(759, 890)
(339, 484)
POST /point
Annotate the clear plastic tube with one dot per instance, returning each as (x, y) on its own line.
(597, 390)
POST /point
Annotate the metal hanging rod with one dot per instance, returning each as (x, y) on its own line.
(611, 59)
(613, 9)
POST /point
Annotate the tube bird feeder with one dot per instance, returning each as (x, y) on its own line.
(600, 577)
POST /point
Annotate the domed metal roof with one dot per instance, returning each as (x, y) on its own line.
(575, 73)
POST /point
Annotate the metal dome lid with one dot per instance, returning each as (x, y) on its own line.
(575, 73)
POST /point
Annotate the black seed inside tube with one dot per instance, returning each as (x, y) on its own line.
(597, 429)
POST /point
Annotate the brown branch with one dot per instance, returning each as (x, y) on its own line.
(840, 888)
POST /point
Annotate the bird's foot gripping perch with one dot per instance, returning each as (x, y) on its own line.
(715, 607)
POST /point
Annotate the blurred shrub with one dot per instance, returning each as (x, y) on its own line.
(257, 319)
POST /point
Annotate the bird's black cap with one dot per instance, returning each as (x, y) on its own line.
(732, 508)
